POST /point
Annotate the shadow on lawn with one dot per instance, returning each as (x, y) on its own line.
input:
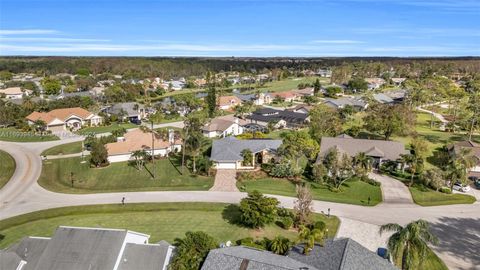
(231, 213)
(459, 237)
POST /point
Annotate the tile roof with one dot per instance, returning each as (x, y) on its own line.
(377, 148)
(342, 254)
(137, 140)
(230, 148)
(60, 114)
(247, 258)
(228, 100)
(222, 123)
(13, 91)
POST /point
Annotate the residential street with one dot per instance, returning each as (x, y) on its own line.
(457, 226)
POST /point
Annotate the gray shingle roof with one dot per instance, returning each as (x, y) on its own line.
(342, 254)
(9, 260)
(145, 257)
(230, 148)
(251, 259)
(81, 249)
(382, 98)
(30, 249)
(127, 107)
(342, 102)
(376, 148)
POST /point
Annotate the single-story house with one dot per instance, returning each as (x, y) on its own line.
(256, 99)
(228, 102)
(309, 91)
(280, 118)
(248, 258)
(474, 149)
(288, 96)
(398, 95)
(375, 83)
(223, 126)
(340, 103)
(383, 98)
(379, 150)
(78, 248)
(15, 92)
(340, 254)
(130, 111)
(63, 119)
(301, 108)
(138, 140)
(398, 81)
(227, 152)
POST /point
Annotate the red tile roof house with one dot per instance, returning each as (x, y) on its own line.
(138, 140)
(228, 102)
(65, 119)
(288, 96)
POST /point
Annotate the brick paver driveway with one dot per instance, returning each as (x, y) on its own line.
(225, 180)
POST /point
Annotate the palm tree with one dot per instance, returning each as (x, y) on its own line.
(280, 245)
(40, 126)
(409, 245)
(194, 145)
(458, 166)
(310, 236)
(414, 162)
(140, 156)
(362, 163)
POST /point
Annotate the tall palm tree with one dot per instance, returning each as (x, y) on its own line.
(194, 145)
(310, 236)
(458, 166)
(280, 245)
(409, 245)
(362, 163)
(414, 162)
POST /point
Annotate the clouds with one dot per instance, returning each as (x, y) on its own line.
(27, 32)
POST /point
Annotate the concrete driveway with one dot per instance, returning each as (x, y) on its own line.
(393, 191)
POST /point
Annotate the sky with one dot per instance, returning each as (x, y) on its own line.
(241, 28)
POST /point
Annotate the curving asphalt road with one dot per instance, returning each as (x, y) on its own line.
(457, 226)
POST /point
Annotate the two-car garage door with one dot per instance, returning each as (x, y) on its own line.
(226, 165)
(56, 128)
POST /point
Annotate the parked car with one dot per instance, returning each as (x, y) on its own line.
(461, 187)
(477, 183)
(136, 121)
(473, 178)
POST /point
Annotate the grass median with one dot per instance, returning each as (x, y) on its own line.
(7, 168)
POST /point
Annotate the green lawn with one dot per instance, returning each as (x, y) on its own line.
(353, 192)
(165, 221)
(290, 84)
(104, 129)
(432, 198)
(117, 177)
(64, 149)
(7, 168)
(15, 135)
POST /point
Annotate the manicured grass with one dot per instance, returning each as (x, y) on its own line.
(165, 221)
(64, 149)
(104, 129)
(353, 192)
(117, 177)
(7, 168)
(432, 197)
(15, 135)
(290, 84)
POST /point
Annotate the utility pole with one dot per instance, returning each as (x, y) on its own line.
(153, 150)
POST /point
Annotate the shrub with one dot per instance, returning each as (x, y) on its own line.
(258, 210)
(284, 212)
(446, 190)
(320, 225)
(287, 222)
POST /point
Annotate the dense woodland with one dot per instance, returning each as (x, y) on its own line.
(140, 67)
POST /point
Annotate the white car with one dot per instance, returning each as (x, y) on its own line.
(460, 187)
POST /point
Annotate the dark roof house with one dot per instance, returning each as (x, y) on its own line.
(247, 258)
(75, 248)
(342, 254)
(383, 150)
(267, 115)
(230, 148)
